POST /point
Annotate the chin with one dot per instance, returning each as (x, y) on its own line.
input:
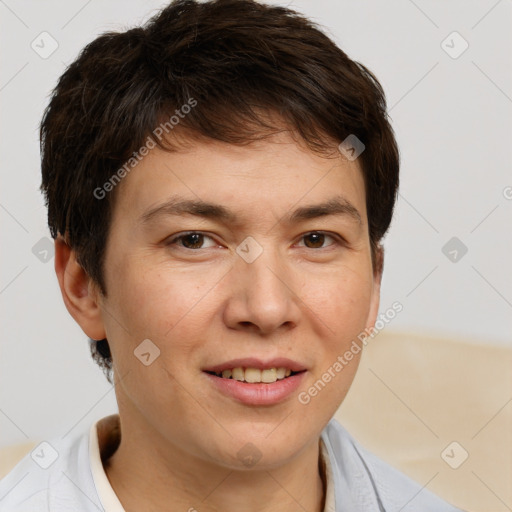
(273, 448)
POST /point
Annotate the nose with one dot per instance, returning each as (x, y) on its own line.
(263, 295)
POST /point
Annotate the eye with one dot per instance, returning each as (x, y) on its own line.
(193, 240)
(316, 239)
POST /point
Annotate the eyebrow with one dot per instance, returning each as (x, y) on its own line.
(337, 205)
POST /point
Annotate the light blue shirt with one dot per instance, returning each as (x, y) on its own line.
(67, 475)
(365, 483)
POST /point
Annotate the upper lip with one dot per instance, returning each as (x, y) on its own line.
(253, 362)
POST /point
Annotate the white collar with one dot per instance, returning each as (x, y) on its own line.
(106, 494)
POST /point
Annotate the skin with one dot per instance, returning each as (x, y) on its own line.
(302, 298)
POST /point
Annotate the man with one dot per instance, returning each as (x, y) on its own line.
(218, 183)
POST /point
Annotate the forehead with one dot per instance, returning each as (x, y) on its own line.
(234, 183)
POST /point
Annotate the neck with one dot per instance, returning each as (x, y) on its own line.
(147, 474)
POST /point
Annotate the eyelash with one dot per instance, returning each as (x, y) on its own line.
(337, 239)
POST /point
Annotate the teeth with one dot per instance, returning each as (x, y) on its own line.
(281, 373)
(269, 375)
(254, 375)
(238, 374)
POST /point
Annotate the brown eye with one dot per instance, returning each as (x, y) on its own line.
(193, 240)
(316, 239)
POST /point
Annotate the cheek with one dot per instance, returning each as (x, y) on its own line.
(168, 306)
(153, 302)
(155, 305)
(342, 304)
(342, 301)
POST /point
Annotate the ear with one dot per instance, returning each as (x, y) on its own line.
(80, 293)
(378, 265)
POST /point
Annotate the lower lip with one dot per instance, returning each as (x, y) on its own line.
(260, 393)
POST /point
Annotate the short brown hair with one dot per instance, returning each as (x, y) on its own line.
(238, 59)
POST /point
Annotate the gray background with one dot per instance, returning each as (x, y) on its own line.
(453, 122)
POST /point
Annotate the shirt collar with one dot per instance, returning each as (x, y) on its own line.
(106, 494)
(326, 473)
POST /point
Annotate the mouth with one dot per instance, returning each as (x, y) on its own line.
(255, 375)
(257, 382)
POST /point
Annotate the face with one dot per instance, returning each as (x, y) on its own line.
(259, 279)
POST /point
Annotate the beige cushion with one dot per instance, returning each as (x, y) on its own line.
(11, 455)
(413, 396)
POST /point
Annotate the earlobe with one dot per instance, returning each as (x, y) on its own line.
(78, 292)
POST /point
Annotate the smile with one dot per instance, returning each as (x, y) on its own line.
(255, 375)
(256, 381)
